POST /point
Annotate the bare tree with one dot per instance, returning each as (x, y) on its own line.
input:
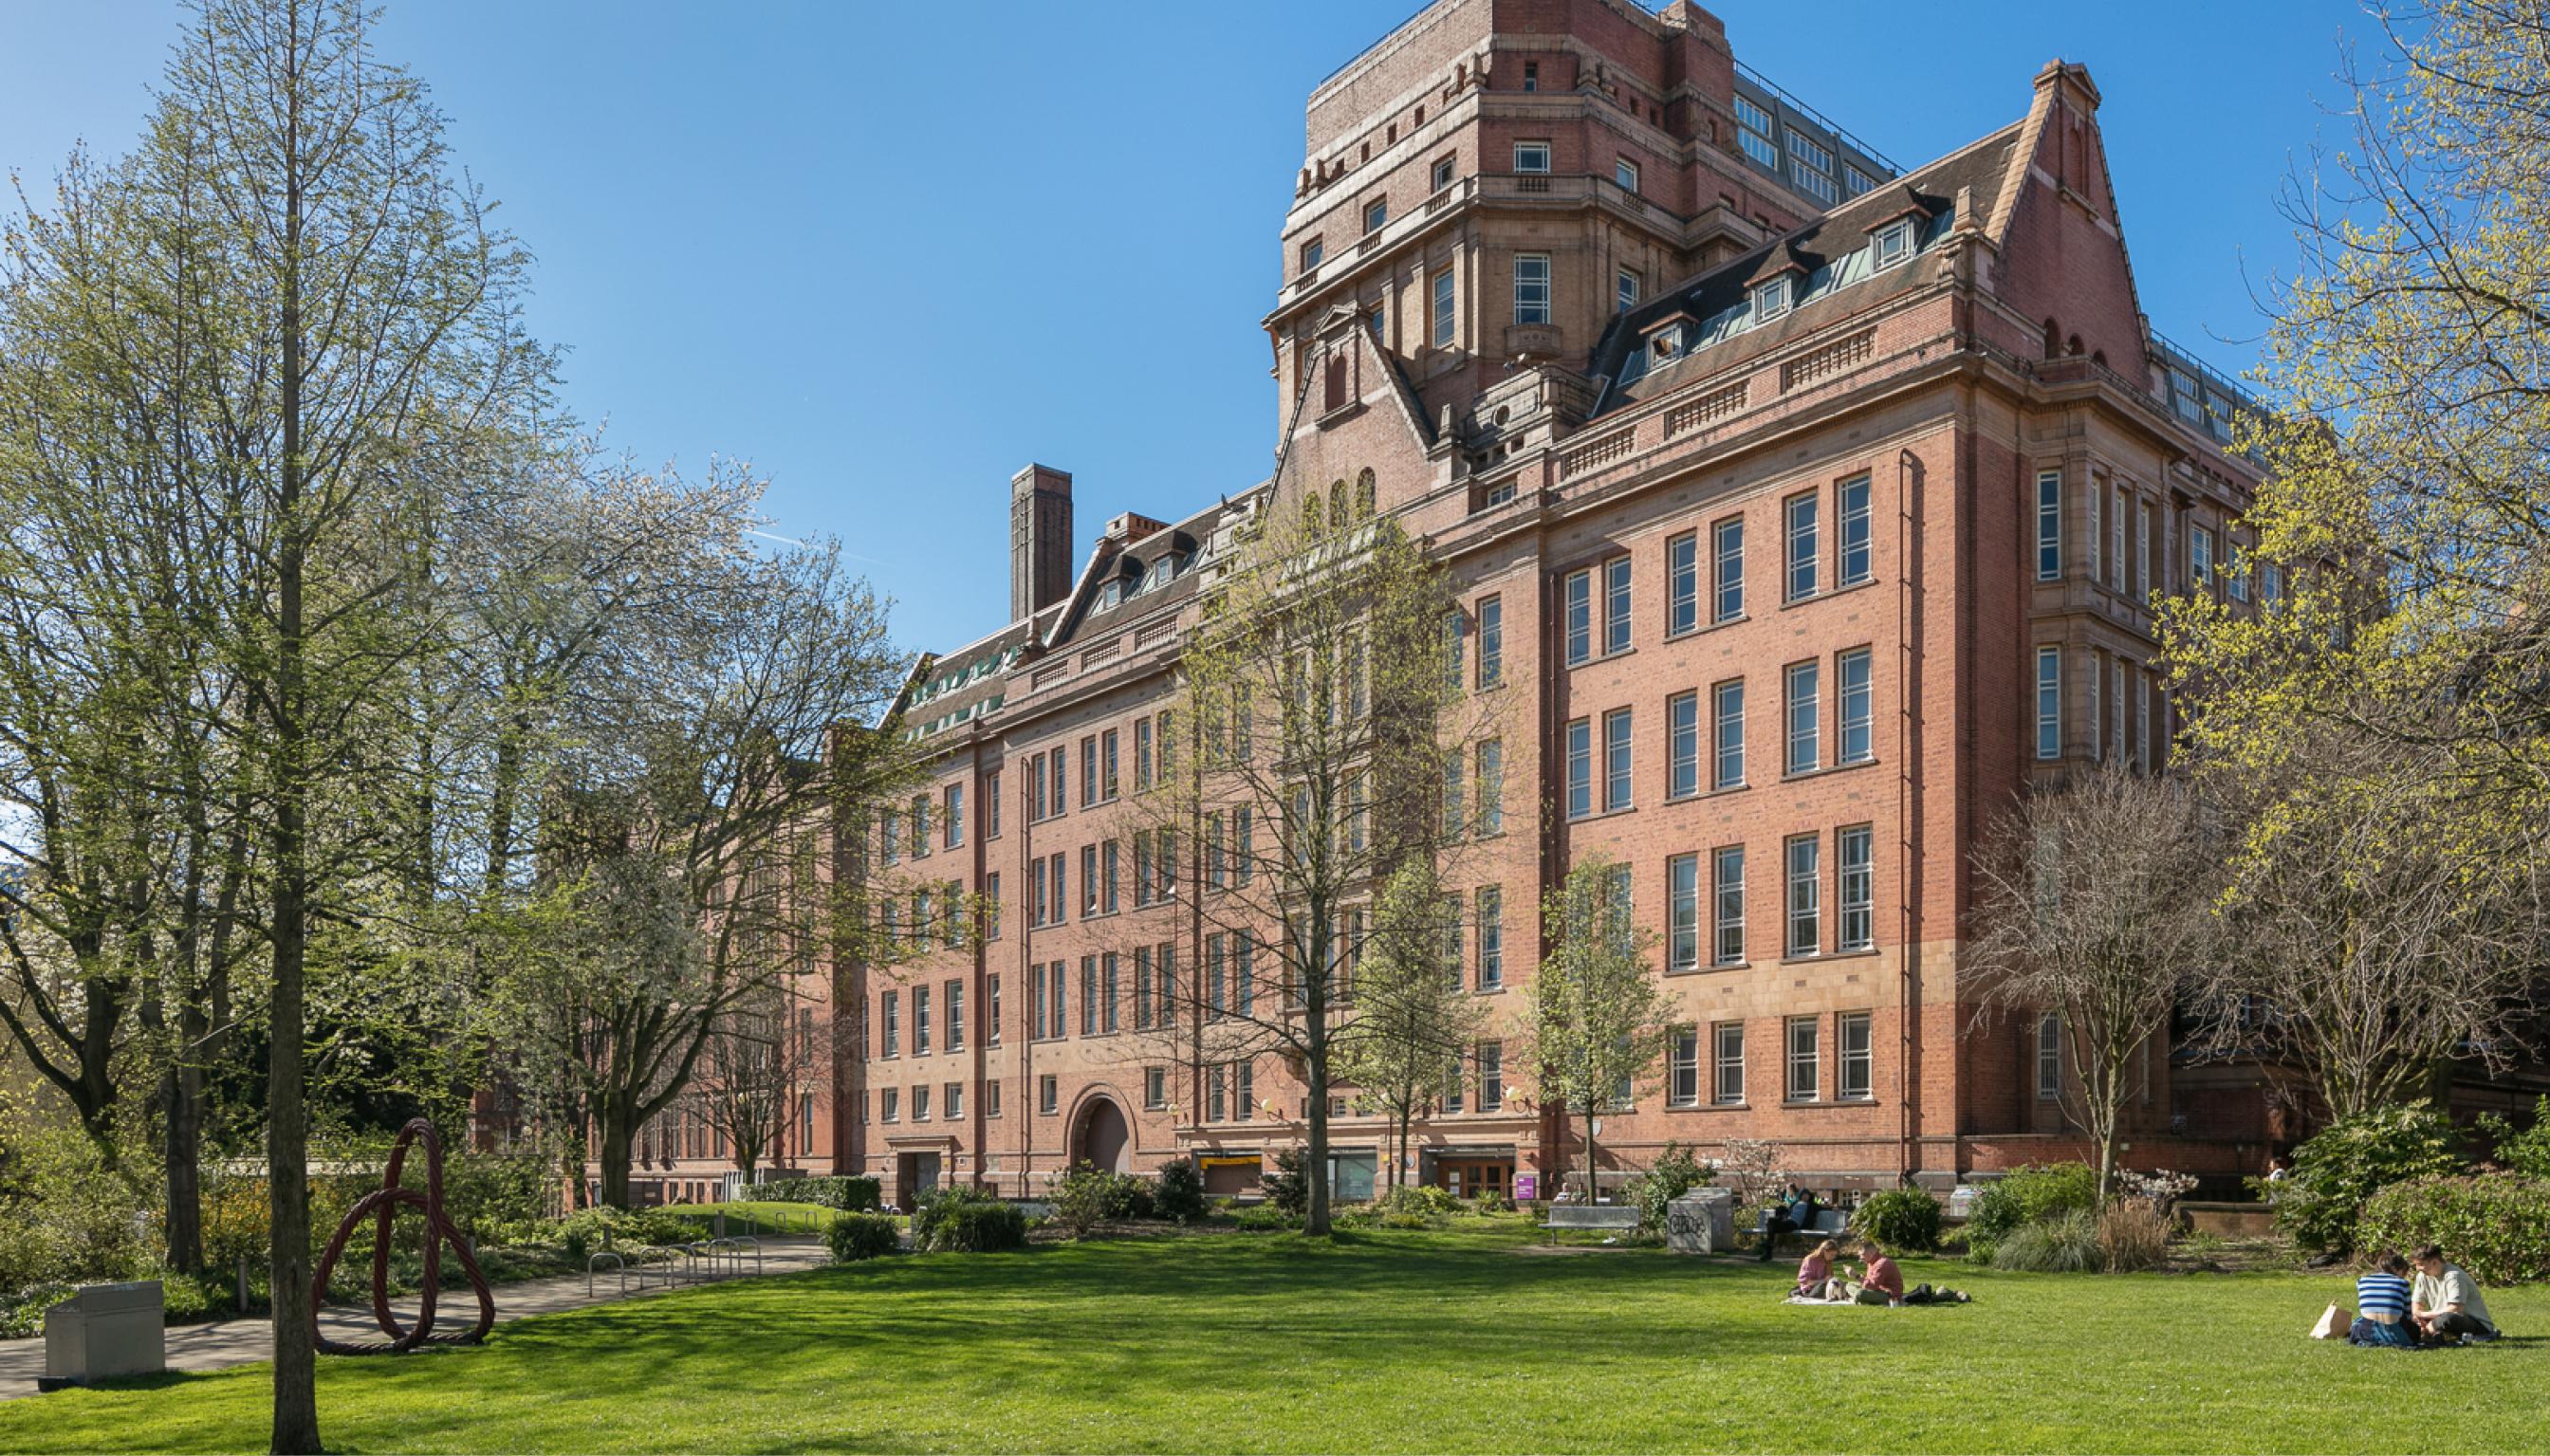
(2094, 905)
(1322, 737)
(765, 1056)
(2381, 927)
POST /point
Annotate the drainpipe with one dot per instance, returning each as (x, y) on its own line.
(1909, 520)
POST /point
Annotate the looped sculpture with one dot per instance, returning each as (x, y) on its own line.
(383, 1203)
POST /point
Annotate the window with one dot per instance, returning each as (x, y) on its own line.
(1312, 252)
(1802, 545)
(1682, 1074)
(1770, 299)
(2143, 560)
(1858, 561)
(2050, 525)
(952, 815)
(1456, 631)
(1107, 991)
(1576, 594)
(991, 1099)
(1806, 713)
(1376, 213)
(1625, 172)
(1726, 901)
(1048, 1095)
(1441, 176)
(1682, 583)
(2199, 560)
(1531, 157)
(2271, 582)
(1156, 1088)
(1893, 243)
(1858, 713)
(955, 1016)
(890, 1025)
(1728, 758)
(1450, 949)
(990, 1010)
(1727, 551)
(1808, 149)
(2049, 1057)
(1682, 898)
(1805, 1056)
(1088, 881)
(1531, 75)
(1491, 937)
(1492, 642)
(992, 806)
(2116, 550)
(1580, 768)
(951, 1101)
(1243, 1094)
(1443, 309)
(921, 1020)
(1805, 895)
(1858, 849)
(2049, 702)
(1727, 1063)
(921, 1103)
(1854, 181)
(1624, 290)
(1451, 798)
(1492, 1076)
(1858, 1056)
(1491, 808)
(1532, 288)
(1616, 605)
(1682, 746)
(1814, 183)
(890, 1105)
(1753, 132)
(2236, 571)
(1616, 761)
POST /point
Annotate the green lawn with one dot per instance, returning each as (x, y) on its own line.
(751, 1216)
(1382, 1341)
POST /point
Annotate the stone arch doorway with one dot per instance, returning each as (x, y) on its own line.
(1104, 1139)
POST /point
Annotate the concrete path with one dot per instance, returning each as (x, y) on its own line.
(226, 1343)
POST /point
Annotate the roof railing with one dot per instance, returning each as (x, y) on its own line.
(2181, 354)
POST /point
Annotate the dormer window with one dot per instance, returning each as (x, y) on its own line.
(1770, 299)
(1893, 243)
(1666, 344)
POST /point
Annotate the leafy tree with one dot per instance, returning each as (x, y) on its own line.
(2355, 1157)
(1412, 1021)
(1597, 1019)
(2094, 903)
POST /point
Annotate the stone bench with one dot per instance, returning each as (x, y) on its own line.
(1615, 1218)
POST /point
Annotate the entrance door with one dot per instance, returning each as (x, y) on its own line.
(1474, 1177)
(1105, 1143)
(914, 1172)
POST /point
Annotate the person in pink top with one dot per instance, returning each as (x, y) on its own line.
(1881, 1283)
(1815, 1272)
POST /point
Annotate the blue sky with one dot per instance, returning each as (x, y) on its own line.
(890, 253)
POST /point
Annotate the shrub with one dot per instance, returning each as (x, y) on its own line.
(1287, 1187)
(1085, 1197)
(856, 1236)
(2132, 1234)
(1423, 1199)
(850, 1195)
(1179, 1191)
(2497, 1225)
(2064, 1243)
(1899, 1219)
(1265, 1218)
(962, 1221)
(2526, 1153)
(2030, 1195)
(1496, 1202)
(2352, 1160)
(1675, 1172)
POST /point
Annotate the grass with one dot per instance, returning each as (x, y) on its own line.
(749, 1216)
(1381, 1341)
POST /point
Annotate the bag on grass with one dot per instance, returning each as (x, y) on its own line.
(2330, 1326)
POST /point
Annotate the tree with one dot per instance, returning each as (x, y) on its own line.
(759, 1060)
(2379, 927)
(1412, 1022)
(1320, 742)
(2094, 905)
(1597, 1020)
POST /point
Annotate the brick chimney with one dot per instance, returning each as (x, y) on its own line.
(1040, 539)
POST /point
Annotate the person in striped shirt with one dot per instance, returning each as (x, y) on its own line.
(2382, 1305)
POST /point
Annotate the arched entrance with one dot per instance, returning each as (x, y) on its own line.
(1103, 1140)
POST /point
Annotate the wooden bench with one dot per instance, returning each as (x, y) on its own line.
(1617, 1218)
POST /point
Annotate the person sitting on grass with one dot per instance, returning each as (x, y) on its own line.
(2381, 1300)
(1815, 1272)
(1881, 1283)
(2446, 1301)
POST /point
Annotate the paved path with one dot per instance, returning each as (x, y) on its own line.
(226, 1343)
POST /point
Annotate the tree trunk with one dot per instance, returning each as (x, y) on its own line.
(183, 1109)
(1316, 1219)
(618, 1138)
(1593, 1190)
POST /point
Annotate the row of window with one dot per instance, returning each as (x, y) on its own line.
(892, 1101)
(1803, 1065)
(2125, 534)
(1594, 600)
(2129, 731)
(1803, 740)
(890, 1025)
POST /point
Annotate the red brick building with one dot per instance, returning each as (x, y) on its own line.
(1809, 506)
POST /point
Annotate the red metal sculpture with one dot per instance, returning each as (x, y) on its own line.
(383, 1203)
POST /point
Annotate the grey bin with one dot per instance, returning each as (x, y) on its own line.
(104, 1331)
(1700, 1221)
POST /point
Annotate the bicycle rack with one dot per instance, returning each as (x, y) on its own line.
(595, 1263)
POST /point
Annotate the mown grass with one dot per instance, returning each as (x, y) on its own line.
(1382, 1341)
(761, 1215)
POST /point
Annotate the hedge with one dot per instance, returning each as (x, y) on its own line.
(853, 1194)
(2497, 1225)
(855, 1236)
(960, 1220)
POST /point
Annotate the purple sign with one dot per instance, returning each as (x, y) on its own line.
(1527, 1187)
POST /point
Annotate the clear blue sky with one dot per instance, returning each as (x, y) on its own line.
(889, 254)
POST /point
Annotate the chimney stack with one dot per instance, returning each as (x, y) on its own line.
(1040, 539)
